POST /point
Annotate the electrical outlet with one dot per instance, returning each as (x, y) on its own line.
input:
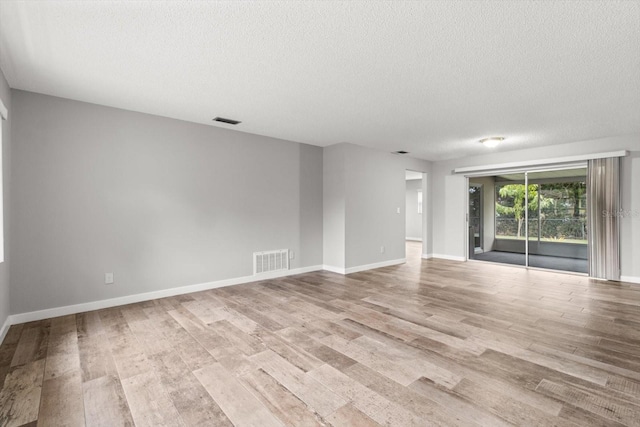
(381, 249)
(292, 255)
(108, 278)
(397, 210)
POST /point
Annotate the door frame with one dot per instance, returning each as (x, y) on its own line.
(525, 171)
(481, 222)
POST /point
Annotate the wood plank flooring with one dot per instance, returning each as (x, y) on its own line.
(430, 342)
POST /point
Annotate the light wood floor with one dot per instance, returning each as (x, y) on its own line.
(430, 342)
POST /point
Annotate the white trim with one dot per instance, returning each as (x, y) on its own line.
(426, 205)
(531, 168)
(358, 268)
(4, 113)
(375, 265)
(5, 328)
(526, 218)
(449, 257)
(427, 256)
(333, 269)
(551, 161)
(413, 239)
(630, 279)
(130, 299)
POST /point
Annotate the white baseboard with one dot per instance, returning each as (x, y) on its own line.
(630, 279)
(449, 257)
(333, 269)
(5, 328)
(356, 269)
(375, 265)
(427, 256)
(414, 239)
(130, 299)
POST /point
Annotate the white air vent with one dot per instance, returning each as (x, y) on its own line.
(264, 262)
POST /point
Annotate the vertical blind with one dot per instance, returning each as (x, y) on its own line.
(603, 201)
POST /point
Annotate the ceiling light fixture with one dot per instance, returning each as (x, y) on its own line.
(492, 142)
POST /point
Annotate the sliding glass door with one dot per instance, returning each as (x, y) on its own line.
(557, 220)
(510, 219)
(530, 218)
(475, 219)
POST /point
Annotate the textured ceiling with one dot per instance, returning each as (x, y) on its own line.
(430, 77)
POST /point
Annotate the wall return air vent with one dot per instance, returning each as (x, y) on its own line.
(265, 262)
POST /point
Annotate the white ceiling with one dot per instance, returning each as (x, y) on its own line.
(430, 77)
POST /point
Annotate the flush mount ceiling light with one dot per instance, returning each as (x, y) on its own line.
(492, 142)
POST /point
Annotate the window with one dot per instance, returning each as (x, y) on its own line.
(557, 212)
(563, 213)
(510, 213)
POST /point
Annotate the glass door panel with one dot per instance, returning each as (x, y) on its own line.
(475, 219)
(509, 245)
(534, 218)
(557, 220)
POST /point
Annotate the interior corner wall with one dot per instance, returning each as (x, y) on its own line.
(161, 203)
(333, 193)
(448, 190)
(366, 187)
(630, 220)
(5, 311)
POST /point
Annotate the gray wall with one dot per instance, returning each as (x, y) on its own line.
(161, 203)
(334, 206)
(630, 224)
(413, 226)
(372, 185)
(164, 203)
(5, 95)
(449, 213)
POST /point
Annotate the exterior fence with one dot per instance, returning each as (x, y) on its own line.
(551, 228)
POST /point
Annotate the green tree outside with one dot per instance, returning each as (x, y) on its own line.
(516, 192)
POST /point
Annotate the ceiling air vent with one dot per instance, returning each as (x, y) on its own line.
(227, 121)
(400, 152)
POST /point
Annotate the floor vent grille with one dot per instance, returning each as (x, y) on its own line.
(264, 262)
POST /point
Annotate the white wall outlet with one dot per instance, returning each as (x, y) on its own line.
(108, 278)
(397, 210)
(292, 255)
(381, 249)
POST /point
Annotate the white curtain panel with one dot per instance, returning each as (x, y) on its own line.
(603, 200)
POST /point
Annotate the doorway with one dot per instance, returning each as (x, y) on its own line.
(535, 219)
(476, 226)
(415, 215)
